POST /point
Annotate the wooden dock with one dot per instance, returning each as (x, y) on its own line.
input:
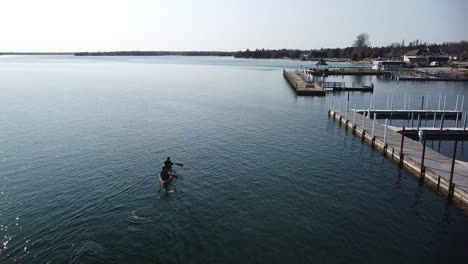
(341, 86)
(429, 79)
(407, 114)
(366, 71)
(357, 89)
(301, 87)
(429, 165)
(435, 133)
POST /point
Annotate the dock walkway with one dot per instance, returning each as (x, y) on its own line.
(435, 133)
(301, 87)
(435, 169)
(406, 114)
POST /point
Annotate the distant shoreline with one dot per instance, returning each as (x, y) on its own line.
(37, 53)
(156, 53)
(168, 53)
(128, 53)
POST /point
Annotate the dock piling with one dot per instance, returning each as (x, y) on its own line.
(385, 133)
(404, 104)
(374, 103)
(427, 102)
(332, 103)
(373, 126)
(391, 108)
(340, 107)
(402, 144)
(441, 127)
(464, 123)
(354, 115)
(347, 106)
(445, 101)
(370, 104)
(409, 106)
(363, 120)
(438, 106)
(454, 154)
(418, 123)
(427, 108)
(409, 102)
(388, 100)
(423, 169)
(391, 103)
(462, 102)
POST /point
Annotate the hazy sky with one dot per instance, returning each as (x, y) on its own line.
(98, 25)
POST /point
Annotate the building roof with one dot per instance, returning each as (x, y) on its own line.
(412, 52)
(419, 60)
(425, 52)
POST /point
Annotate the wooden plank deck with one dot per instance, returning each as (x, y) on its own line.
(435, 133)
(301, 87)
(437, 166)
(357, 89)
(406, 114)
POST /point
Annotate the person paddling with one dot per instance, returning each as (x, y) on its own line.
(166, 171)
(164, 174)
(168, 163)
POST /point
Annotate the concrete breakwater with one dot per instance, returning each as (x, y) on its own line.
(301, 87)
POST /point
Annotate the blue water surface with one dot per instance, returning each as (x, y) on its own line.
(267, 176)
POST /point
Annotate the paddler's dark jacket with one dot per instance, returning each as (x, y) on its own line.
(168, 164)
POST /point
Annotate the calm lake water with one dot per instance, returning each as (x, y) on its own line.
(268, 177)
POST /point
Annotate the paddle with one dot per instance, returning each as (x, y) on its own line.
(179, 164)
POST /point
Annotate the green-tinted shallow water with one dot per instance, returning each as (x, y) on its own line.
(268, 177)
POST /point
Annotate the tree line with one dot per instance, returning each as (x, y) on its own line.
(155, 53)
(360, 50)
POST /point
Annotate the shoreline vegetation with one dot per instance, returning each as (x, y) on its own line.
(360, 52)
(156, 53)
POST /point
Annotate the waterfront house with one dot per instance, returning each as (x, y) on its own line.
(423, 57)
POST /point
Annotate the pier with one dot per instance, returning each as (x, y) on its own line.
(301, 87)
(341, 71)
(446, 174)
(445, 74)
(341, 86)
(413, 114)
(434, 133)
(427, 79)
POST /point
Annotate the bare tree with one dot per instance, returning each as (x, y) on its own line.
(360, 46)
(362, 41)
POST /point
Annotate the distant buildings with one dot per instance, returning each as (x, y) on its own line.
(388, 65)
(424, 57)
